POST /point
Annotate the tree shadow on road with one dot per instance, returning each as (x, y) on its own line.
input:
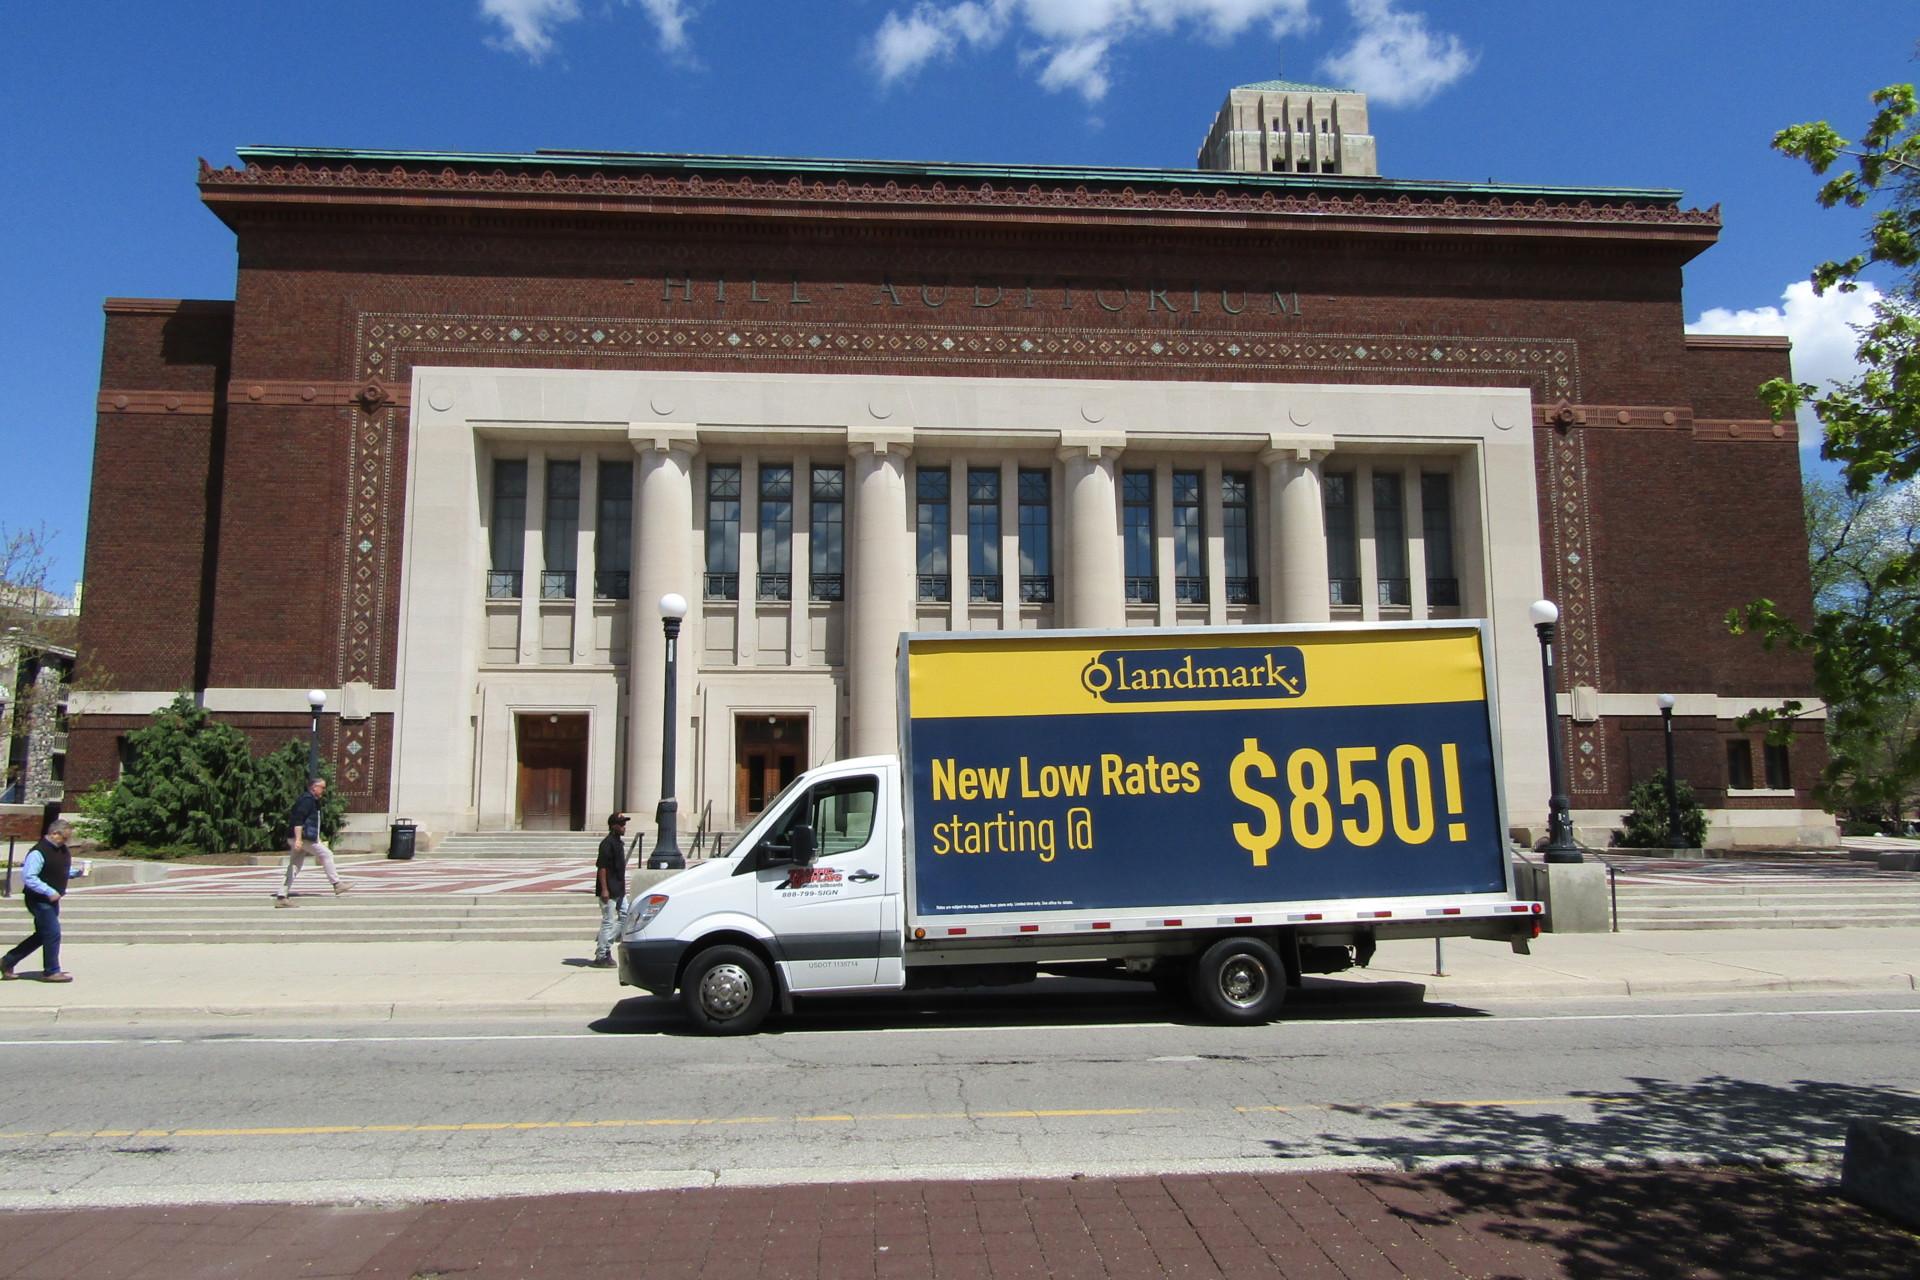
(1565, 1181)
(1606, 1224)
(1717, 1120)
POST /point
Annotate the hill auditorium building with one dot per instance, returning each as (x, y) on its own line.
(468, 418)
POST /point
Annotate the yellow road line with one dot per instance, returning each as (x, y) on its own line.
(689, 1122)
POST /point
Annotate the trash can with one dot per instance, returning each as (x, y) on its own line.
(400, 840)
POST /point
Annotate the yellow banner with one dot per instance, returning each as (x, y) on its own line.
(1032, 674)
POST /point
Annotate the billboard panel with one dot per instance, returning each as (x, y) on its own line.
(1083, 771)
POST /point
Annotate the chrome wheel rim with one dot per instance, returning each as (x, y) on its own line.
(726, 990)
(1243, 982)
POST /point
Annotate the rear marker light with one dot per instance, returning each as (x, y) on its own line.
(1029, 928)
(1171, 924)
(954, 933)
(1243, 919)
(1102, 924)
(1376, 915)
(1449, 911)
(1313, 915)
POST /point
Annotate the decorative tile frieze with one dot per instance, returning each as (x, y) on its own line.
(368, 563)
(391, 344)
(1570, 582)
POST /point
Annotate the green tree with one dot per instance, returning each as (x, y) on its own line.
(1645, 824)
(193, 783)
(1865, 631)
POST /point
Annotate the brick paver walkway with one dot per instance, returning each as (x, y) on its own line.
(1569, 1224)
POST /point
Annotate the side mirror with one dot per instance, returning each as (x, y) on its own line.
(802, 848)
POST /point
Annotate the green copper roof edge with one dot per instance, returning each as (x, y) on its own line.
(935, 171)
(1293, 86)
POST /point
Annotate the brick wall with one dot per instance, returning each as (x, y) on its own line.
(331, 297)
(155, 469)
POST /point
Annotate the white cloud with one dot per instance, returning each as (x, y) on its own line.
(1073, 39)
(1394, 59)
(1822, 329)
(527, 25)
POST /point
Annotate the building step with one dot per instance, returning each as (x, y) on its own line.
(581, 845)
(1770, 922)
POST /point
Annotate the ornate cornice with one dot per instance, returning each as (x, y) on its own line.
(601, 191)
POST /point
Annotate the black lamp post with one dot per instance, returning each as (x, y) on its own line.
(1675, 840)
(666, 854)
(1560, 846)
(316, 698)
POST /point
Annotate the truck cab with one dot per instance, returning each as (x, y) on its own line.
(807, 901)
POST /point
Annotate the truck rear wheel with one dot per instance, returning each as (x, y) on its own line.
(1239, 980)
(727, 991)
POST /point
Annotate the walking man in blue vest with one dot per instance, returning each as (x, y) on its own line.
(43, 882)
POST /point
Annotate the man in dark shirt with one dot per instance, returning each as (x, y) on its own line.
(43, 882)
(303, 825)
(610, 886)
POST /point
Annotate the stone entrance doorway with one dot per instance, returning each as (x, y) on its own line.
(553, 772)
(769, 752)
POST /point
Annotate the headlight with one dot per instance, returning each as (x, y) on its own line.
(641, 914)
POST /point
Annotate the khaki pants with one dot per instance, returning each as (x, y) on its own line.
(297, 851)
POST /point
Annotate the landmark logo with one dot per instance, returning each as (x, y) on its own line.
(1196, 675)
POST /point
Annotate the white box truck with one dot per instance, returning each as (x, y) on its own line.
(1218, 811)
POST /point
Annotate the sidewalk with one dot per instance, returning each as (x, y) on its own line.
(1551, 1224)
(358, 981)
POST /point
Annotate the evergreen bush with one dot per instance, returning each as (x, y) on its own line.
(1646, 823)
(193, 785)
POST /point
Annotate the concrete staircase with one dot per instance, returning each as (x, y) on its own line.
(1882, 900)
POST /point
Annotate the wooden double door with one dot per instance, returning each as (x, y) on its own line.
(769, 752)
(553, 772)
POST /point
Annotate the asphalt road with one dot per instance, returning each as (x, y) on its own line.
(1082, 1078)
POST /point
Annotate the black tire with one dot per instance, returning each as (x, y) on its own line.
(726, 991)
(1239, 981)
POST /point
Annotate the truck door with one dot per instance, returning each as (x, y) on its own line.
(828, 918)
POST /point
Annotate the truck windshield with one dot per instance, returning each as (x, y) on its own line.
(773, 806)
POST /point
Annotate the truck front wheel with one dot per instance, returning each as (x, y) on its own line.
(727, 991)
(1239, 980)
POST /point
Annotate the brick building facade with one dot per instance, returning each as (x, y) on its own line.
(469, 416)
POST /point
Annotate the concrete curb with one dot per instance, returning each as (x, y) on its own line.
(569, 1010)
(341, 1012)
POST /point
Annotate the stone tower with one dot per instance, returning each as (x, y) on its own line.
(1278, 126)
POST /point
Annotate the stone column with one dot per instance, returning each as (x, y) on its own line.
(662, 563)
(584, 558)
(1297, 538)
(1096, 588)
(533, 556)
(880, 587)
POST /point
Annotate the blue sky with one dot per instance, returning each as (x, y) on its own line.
(108, 105)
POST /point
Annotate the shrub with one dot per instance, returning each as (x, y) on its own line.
(193, 784)
(1646, 823)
